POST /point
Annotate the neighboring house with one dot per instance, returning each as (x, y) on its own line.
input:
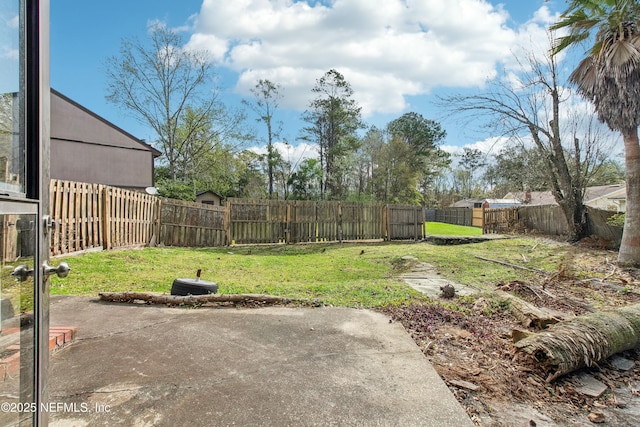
(87, 148)
(606, 197)
(533, 198)
(209, 197)
(487, 203)
(467, 203)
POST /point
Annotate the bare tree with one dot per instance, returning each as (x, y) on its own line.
(169, 89)
(529, 108)
(267, 97)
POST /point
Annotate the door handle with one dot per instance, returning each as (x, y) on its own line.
(62, 270)
(22, 273)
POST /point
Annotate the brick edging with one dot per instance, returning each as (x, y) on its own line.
(59, 337)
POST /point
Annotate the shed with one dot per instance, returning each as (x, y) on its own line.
(209, 197)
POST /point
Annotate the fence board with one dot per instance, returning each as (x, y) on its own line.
(190, 224)
(89, 216)
(257, 221)
(75, 226)
(302, 218)
(327, 217)
(499, 220)
(457, 216)
(477, 217)
(549, 219)
(9, 237)
(546, 219)
(273, 221)
(405, 222)
(598, 227)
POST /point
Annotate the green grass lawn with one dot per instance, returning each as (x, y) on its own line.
(354, 275)
(451, 230)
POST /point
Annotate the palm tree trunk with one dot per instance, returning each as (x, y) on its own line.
(629, 255)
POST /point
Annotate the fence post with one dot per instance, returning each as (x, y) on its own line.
(415, 227)
(287, 232)
(156, 224)
(226, 224)
(339, 222)
(106, 218)
(386, 215)
(316, 226)
(484, 220)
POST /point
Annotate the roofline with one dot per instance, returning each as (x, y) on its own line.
(210, 191)
(154, 151)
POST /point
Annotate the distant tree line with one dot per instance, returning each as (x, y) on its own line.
(203, 142)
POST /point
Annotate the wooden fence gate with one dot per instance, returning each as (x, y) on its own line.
(500, 220)
(405, 222)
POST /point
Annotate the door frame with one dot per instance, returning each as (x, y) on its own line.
(37, 176)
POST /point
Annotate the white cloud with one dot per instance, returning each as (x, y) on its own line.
(533, 39)
(14, 22)
(8, 53)
(293, 154)
(489, 146)
(386, 50)
(9, 48)
(296, 154)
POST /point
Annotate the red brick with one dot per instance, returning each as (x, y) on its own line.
(11, 364)
(59, 338)
(8, 331)
(70, 332)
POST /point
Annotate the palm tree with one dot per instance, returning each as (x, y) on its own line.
(609, 76)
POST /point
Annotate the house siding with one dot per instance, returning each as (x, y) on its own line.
(87, 148)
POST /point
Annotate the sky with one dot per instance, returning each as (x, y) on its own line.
(398, 55)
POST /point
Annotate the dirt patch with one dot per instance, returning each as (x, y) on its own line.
(471, 348)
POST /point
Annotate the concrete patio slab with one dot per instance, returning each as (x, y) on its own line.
(141, 365)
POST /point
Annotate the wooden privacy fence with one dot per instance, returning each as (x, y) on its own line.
(456, 216)
(405, 222)
(92, 216)
(191, 224)
(291, 221)
(87, 216)
(499, 220)
(546, 219)
(549, 219)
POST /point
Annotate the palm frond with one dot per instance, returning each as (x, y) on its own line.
(622, 56)
(585, 76)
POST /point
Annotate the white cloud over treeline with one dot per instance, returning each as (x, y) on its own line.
(388, 51)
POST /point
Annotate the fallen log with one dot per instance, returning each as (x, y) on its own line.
(198, 300)
(516, 266)
(529, 315)
(583, 341)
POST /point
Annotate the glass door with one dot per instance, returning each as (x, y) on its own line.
(24, 186)
(17, 313)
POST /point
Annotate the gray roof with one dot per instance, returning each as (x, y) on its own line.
(546, 197)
